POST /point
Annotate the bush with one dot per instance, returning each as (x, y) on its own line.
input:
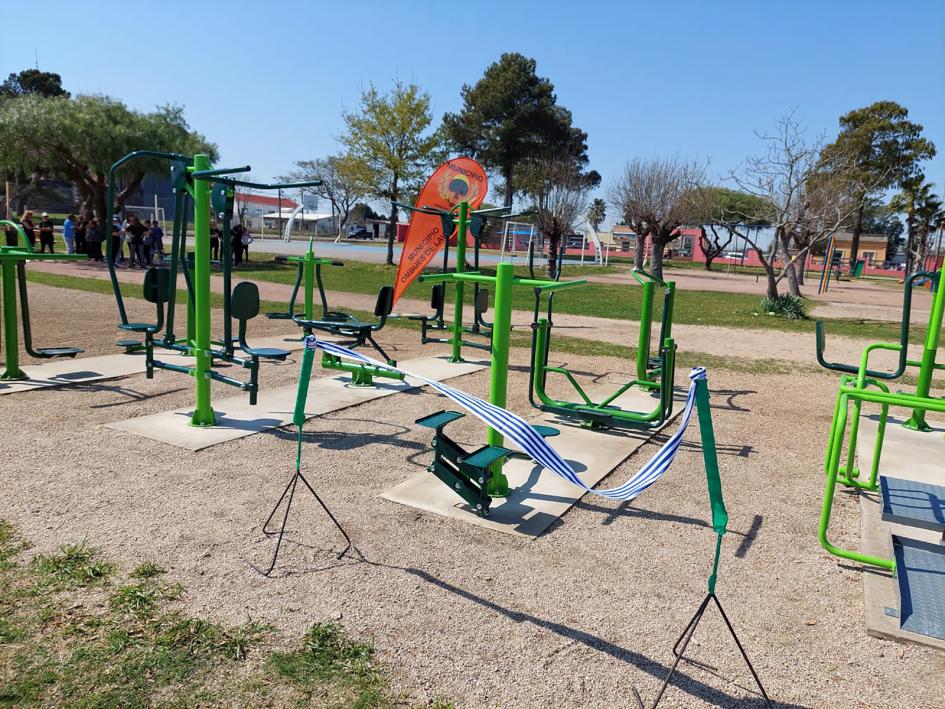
(785, 306)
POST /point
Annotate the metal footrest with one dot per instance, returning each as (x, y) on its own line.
(467, 474)
(920, 572)
(913, 503)
(59, 351)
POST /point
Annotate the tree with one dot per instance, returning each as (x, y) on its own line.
(654, 198)
(886, 149)
(78, 140)
(807, 195)
(390, 145)
(597, 213)
(724, 211)
(560, 196)
(33, 81)
(510, 116)
(924, 214)
(878, 218)
(340, 184)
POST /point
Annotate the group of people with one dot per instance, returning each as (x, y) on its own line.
(144, 239)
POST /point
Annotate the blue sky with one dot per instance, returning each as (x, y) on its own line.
(267, 81)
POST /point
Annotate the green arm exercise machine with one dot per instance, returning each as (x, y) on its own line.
(652, 373)
(194, 180)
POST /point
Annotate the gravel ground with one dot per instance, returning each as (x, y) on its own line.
(573, 619)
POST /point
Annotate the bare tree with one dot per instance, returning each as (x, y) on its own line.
(806, 197)
(722, 210)
(560, 196)
(340, 183)
(654, 198)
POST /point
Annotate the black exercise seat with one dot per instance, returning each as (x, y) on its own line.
(244, 306)
(348, 325)
(38, 352)
(437, 302)
(156, 281)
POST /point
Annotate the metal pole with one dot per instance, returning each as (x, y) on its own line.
(11, 344)
(457, 339)
(646, 321)
(203, 411)
(499, 372)
(927, 367)
(308, 270)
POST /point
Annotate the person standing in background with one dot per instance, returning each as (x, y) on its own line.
(68, 233)
(215, 234)
(157, 240)
(246, 239)
(29, 228)
(117, 234)
(46, 237)
(236, 244)
(136, 231)
(81, 227)
(94, 239)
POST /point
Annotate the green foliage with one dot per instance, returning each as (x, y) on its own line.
(885, 147)
(73, 565)
(597, 213)
(78, 139)
(341, 181)
(329, 656)
(389, 139)
(76, 648)
(785, 306)
(720, 205)
(512, 115)
(33, 81)
(147, 570)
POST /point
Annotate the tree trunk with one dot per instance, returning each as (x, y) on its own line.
(639, 252)
(857, 230)
(656, 257)
(507, 176)
(554, 242)
(772, 279)
(708, 261)
(392, 226)
(789, 270)
(910, 242)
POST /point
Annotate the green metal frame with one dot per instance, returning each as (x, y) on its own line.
(868, 387)
(195, 179)
(12, 260)
(503, 281)
(652, 374)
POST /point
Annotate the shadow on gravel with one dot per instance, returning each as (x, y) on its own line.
(131, 396)
(729, 395)
(686, 683)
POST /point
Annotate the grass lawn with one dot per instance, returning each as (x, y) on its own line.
(77, 631)
(605, 300)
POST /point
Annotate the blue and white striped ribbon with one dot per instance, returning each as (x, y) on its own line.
(525, 437)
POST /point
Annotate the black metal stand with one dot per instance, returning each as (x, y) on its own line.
(290, 491)
(683, 641)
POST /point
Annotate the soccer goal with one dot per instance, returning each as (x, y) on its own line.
(516, 238)
(147, 213)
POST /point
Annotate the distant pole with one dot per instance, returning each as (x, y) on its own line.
(279, 230)
(7, 189)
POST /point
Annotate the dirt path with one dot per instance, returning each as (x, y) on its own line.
(717, 341)
(573, 619)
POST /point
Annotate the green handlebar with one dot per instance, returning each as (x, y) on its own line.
(639, 274)
(298, 415)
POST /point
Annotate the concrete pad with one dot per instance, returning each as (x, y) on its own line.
(910, 455)
(538, 498)
(274, 407)
(84, 370)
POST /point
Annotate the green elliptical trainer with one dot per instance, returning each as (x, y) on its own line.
(655, 374)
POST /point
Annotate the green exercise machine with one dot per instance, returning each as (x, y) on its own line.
(194, 180)
(860, 384)
(653, 374)
(461, 221)
(354, 331)
(13, 276)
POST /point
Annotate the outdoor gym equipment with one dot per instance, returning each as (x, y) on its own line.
(194, 179)
(868, 386)
(459, 220)
(652, 373)
(503, 282)
(346, 325)
(451, 466)
(13, 276)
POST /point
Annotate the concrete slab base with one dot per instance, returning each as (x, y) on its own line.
(538, 499)
(236, 418)
(85, 370)
(912, 456)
